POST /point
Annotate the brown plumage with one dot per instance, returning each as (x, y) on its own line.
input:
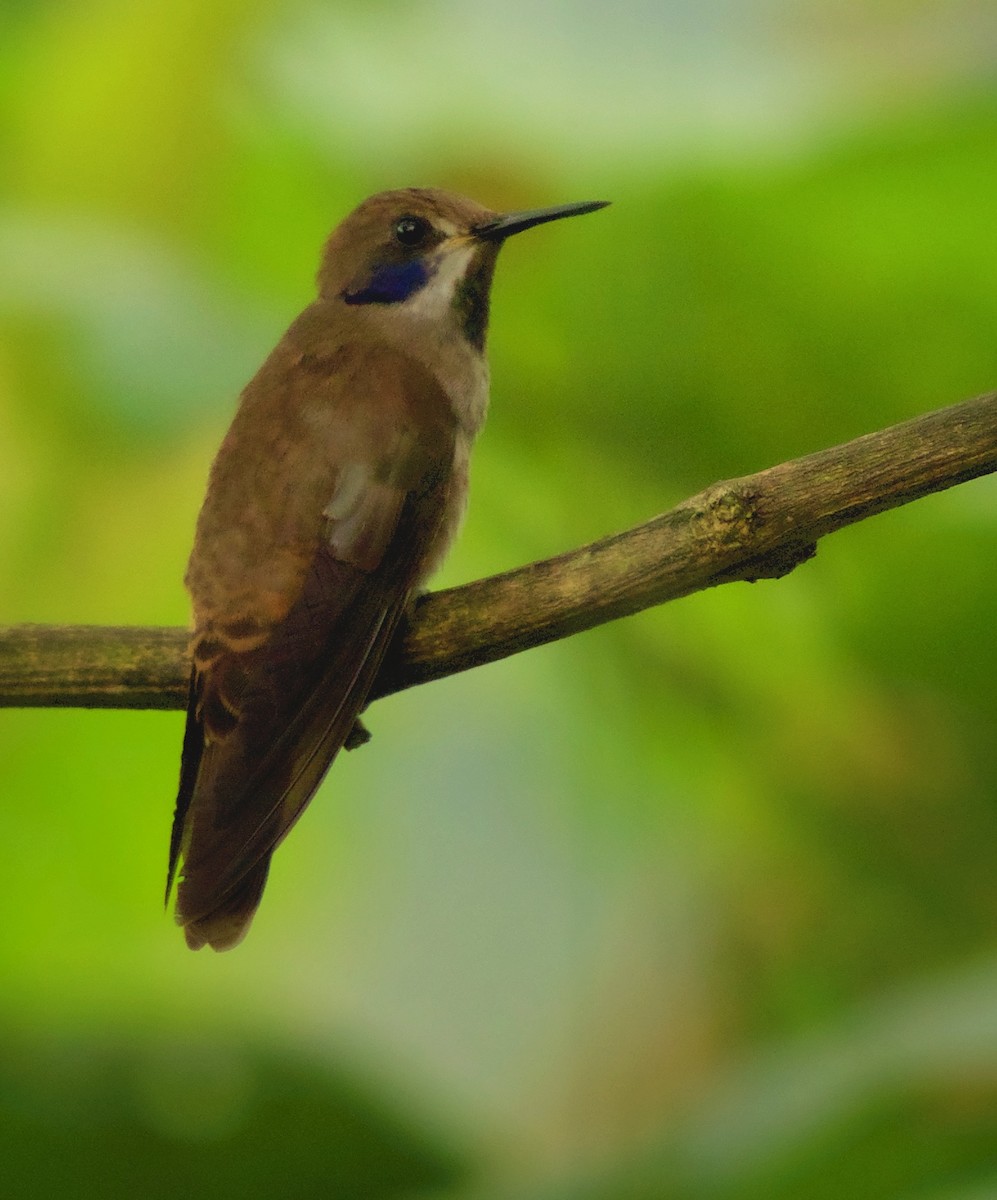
(336, 491)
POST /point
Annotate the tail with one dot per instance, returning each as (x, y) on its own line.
(229, 923)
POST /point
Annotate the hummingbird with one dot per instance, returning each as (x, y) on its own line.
(335, 494)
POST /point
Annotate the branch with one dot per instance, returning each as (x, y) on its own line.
(759, 526)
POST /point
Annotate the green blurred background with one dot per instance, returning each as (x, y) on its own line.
(699, 905)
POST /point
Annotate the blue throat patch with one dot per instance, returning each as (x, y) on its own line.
(391, 283)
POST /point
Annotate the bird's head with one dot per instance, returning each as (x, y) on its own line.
(427, 253)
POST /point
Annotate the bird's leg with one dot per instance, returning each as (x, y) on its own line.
(359, 735)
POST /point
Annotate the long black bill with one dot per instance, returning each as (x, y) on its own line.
(503, 227)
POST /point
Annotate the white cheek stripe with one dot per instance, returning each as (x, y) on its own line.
(433, 300)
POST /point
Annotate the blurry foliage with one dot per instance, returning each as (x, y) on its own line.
(155, 1120)
(699, 905)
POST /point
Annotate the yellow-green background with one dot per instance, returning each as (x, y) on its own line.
(702, 905)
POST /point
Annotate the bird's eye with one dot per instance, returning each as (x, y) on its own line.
(411, 231)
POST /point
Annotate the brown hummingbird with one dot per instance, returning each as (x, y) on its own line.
(336, 492)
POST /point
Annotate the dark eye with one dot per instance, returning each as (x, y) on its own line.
(412, 231)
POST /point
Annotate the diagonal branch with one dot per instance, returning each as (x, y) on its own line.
(758, 526)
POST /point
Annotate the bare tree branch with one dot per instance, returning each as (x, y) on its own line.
(759, 526)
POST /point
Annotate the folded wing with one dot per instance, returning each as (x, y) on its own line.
(326, 499)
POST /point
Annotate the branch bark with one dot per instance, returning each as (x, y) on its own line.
(758, 526)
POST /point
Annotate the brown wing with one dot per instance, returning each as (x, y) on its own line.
(294, 616)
